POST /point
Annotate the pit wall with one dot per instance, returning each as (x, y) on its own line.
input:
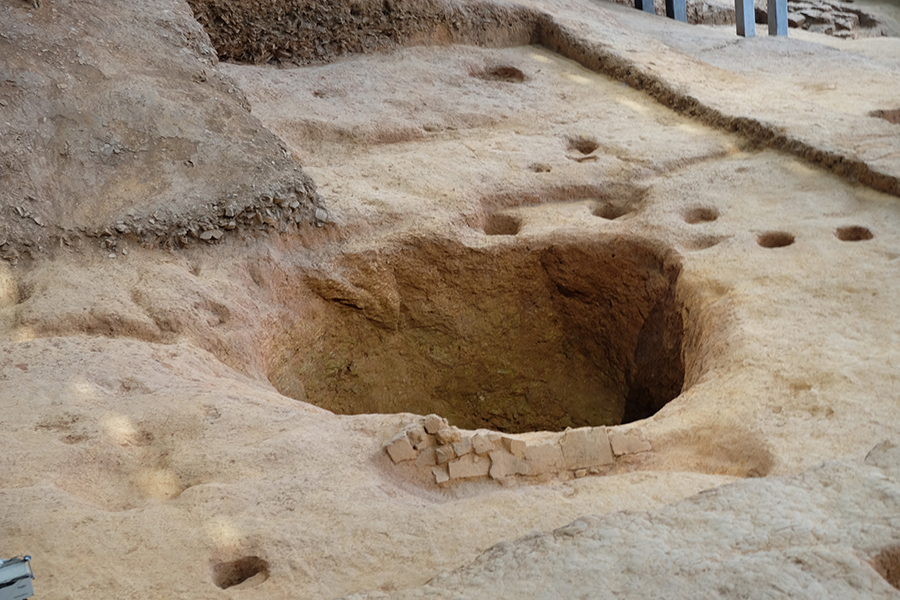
(512, 336)
(446, 455)
(309, 31)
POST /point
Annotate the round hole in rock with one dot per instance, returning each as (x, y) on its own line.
(501, 224)
(887, 563)
(775, 239)
(248, 571)
(514, 337)
(502, 73)
(611, 211)
(891, 116)
(700, 214)
(583, 145)
(853, 233)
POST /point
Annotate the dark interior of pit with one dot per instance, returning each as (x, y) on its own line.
(514, 338)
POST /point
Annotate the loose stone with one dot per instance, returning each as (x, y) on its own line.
(448, 435)
(434, 423)
(441, 474)
(401, 450)
(443, 454)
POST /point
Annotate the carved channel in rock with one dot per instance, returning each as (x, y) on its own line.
(512, 337)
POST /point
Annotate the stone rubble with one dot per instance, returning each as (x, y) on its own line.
(451, 455)
(830, 17)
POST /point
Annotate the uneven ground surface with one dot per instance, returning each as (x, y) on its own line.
(612, 219)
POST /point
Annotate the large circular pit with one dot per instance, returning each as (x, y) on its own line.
(514, 337)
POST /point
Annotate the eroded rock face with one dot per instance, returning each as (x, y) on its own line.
(304, 31)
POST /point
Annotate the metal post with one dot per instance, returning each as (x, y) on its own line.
(676, 9)
(745, 16)
(778, 18)
(645, 5)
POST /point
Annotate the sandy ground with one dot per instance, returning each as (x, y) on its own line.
(156, 423)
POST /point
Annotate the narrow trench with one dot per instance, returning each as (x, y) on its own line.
(511, 338)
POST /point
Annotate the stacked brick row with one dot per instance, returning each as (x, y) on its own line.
(452, 455)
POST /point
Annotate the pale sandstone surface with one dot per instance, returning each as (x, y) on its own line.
(793, 537)
(114, 120)
(143, 440)
(754, 296)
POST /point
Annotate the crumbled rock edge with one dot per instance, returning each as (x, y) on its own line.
(449, 455)
(286, 207)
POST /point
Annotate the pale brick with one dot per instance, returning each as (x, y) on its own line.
(586, 447)
(418, 438)
(444, 453)
(470, 465)
(515, 447)
(434, 423)
(401, 450)
(545, 458)
(441, 474)
(463, 447)
(630, 443)
(448, 435)
(481, 444)
(426, 458)
(504, 464)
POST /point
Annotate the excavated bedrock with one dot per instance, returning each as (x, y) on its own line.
(514, 337)
(310, 31)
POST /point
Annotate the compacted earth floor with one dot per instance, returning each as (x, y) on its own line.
(696, 247)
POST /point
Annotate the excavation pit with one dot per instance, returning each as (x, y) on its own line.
(513, 337)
